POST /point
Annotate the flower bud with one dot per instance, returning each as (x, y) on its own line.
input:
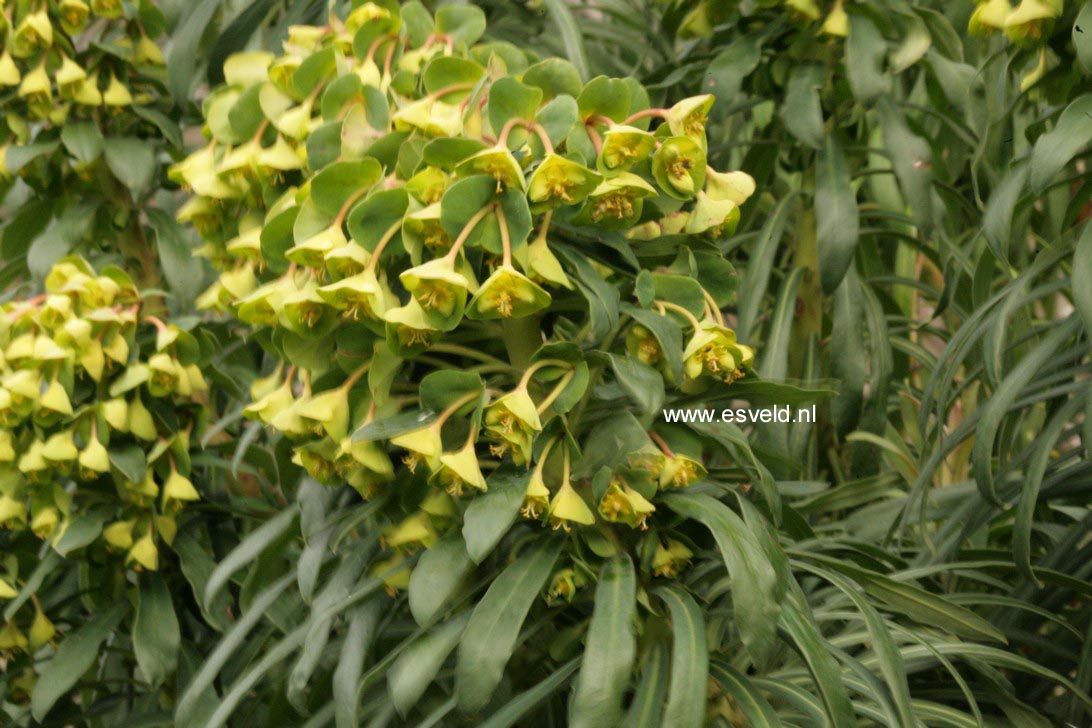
(74, 15)
(669, 558)
(116, 94)
(140, 421)
(119, 534)
(9, 72)
(94, 459)
(41, 630)
(179, 488)
(144, 554)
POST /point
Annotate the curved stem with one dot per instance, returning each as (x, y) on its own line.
(387, 237)
(662, 113)
(454, 407)
(347, 205)
(661, 443)
(541, 465)
(547, 218)
(556, 392)
(565, 466)
(457, 350)
(506, 238)
(453, 88)
(355, 376)
(465, 233)
(714, 309)
(668, 305)
(539, 365)
(596, 140)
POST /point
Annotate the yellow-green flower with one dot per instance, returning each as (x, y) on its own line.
(312, 252)
(93, 459)
(429, 116)
(74, 15)
(358, 297)
(88, 94)
(422, 229)
(144, 554)
(326, 412)
(69, 77)
(713, 350)
(35, 32)
(409, 330)
(439, 289)
(559, 181)
(736, 187)
(837, 22)
(513, 421)
(1031, 20)
(687, 118)
(806, 9)
(644, 346)
(9, 72)
(669, 558)
(507, 293)
(623, 147)
(536, 498)
(540, 264)
(618, 201)
(348, 260)
(717, 218)
(303, 308)
(496, 162)
(623, 504)
(988, 16)
(680, 471)
(567, 508)
(428, 185)
(421, 445)
(415, 532)
(458, 471)
(563, 585)
(679, 167)
(116, 94)
(36, 90)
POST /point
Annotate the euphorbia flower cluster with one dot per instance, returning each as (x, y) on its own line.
(397, 209)
(98, 404)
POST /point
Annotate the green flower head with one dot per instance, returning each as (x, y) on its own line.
(715, 218)
(430, 117)
(421, 445)
(567, 508)
(459, 471)
(680, 471)
(312, 252)
(679, 167)
(622, 504)
(735, 187)
(358, 297)
(623, 147)
(513, 421)
(618, 201)
(409, 330)
(496, 162)
(536, 498)
(439, 289)
(687, 117)
(714, 351)
(559, 181)
(507, 293)
(669, 558)
(1030, 22)
(988, 16)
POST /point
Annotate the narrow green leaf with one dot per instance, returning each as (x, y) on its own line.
(494, 626)
(865, 53)
(1081, 277)
(437, 575)
(1054, 149)
(610, 649)
(689, 660)
(512, 711)
(73, 658)
(1082, 37)
(754, 580)
(642, 383)
(182, 61)
(571, 38)
(415, 668)
(249, 549)
(648, 698)
(350, 665)
(155, 630)
(749, 699)
(801, 112)
(836, 215)
(805, 635)
(491, 514)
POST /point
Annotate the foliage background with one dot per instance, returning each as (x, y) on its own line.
(913, 259)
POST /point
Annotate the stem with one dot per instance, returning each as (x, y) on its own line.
(661, 444)
(457, 350)
(502, 138)
(465, 233)
(679, 310)
(556, 392)
(545, 454)
(599, 119)
(506, 239)
(547, 218)
(565, 466)
(453, 88)
(662, 113)
(714, 309)
(596, 140)
(355, 377)
(539, 365)
(387, 237)
(454, 407)
(353, 199)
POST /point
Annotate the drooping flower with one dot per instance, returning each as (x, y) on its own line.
(459, 471)
(439, 289)
(713, 350)
(421, 445)
(617, 202)
(679, 167)
(567, 508)
(507, 293)
(559, 181)
(512, 420)
(687, 117)
(495, 162)
(621, 503)
(669, 558)
(623, 147)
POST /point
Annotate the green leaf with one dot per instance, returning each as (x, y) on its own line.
(442, 388)
(912, 160)
(1081, 278)
(182, 60)
(817, 653)
(129, 461)
(997, 219)
(444, 71)
(73, 658)
(1082, 37)
(836, 215)
(59, 239)
(1054, 150)
(556, 77)
(339, 182)
(865, 52)
(464, 23)
(667, 332)
(689, 660)
(726, 72)
(514, 710)
(83, 140)
(197, 566)
(604, 96)
(756, 277)
(801, 113)
(748, 698)
(370, 220)
(610, 650)
(132, 161)
(82, 530)
(248, 549)
(491, 514)
(510, 99)
(416, 667)
(359, 637)
(571, 37)
(642, 383)
(389, 427)
(648, 698)
(437, 576)
(155, 630)
(755, 588)
(494, 626)
(185, 274)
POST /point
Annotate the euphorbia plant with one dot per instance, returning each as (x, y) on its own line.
(479, 280)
